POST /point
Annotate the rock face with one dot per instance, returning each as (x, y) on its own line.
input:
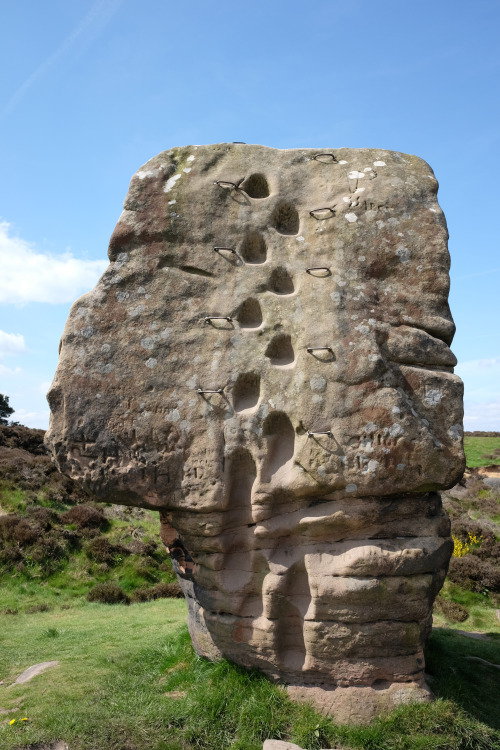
(266, 362)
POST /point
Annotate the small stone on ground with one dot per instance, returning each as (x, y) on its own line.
(31, 672)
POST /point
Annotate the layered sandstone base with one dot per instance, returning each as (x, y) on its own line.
(341, 616)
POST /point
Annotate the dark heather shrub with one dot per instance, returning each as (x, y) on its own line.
(108, 593)
(160, 591)
(44, 517)
(451, 610)
(38, 608)
(489, 550)
(102, 551)
(474, 574)
(462, 528)
(10, 555)
(85, 516)
(46, 549)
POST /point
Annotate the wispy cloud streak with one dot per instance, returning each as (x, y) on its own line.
(88, 29)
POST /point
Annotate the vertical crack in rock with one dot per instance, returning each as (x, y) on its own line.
(298, 483)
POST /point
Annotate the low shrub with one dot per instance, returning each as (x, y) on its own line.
(38, 608)
(108, 593)
(170, 590)
(14, 528)
(138, 547)
(44, 517)
(474, 574)
(101, 550)
(85, 516)
(451, 610)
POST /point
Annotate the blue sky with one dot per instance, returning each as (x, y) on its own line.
(92, 89)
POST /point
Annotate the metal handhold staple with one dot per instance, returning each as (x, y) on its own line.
(208, 318)
(323, 432)
(317, 268)
(331, 157)
(204, 390)
(318, 210)
(318, 348)
(227, 249)
(228, 184)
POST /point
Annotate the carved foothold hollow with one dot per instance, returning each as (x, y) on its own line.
(286, 402)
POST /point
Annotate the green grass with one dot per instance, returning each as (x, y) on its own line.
(128, 679)
(69, 579)
(480, 451)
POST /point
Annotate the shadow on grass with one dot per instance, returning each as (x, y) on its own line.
(458, 672)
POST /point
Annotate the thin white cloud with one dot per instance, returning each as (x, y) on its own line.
(39, 419)
(31, 276)
(478, 365)
(86, 31)
(482, 416)
(9, 370)
(11, 344)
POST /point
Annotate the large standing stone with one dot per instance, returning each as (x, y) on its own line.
(266, 362)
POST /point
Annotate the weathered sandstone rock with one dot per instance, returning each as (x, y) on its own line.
(266, 362)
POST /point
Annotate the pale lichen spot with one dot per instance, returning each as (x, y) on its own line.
(343, 161)
(395, 430)
(300, 238)
(172, 202)
(351, 487)
(173, 415)
(151, 363)
(455, 431)
(122, 296)
(346, 199)
(403, 253)
(355, 175)
(367, 169)
(371, 467)
(351, 217)
(190, 157)
(359, 190)
(144, 174)
(401, 467)
(104, 368)
(379, 164)
(433, 397)
(171, 182)
(317, 383)
(187, 170)
(120, 261)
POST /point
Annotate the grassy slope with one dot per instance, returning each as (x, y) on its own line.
(128, 680)
(482, 451)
